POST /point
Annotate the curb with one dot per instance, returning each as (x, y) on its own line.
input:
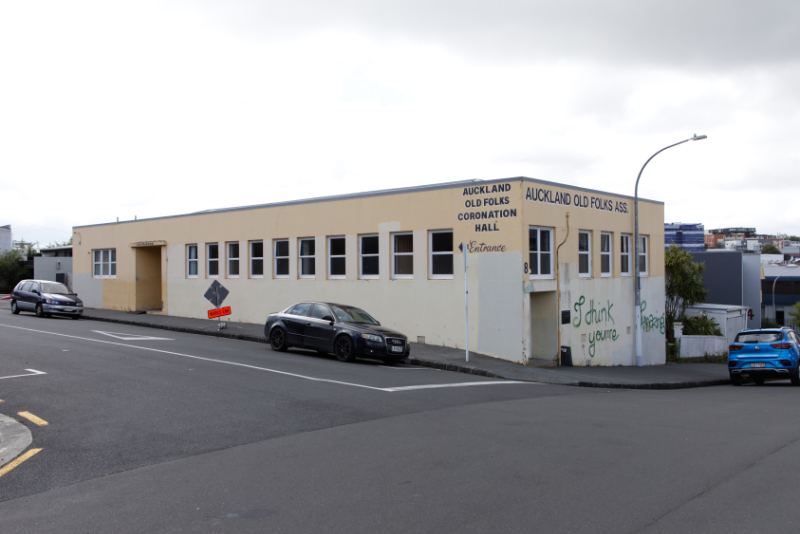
(239, 337)
(436, 365)
(14, 438)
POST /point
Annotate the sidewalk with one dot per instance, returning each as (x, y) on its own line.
(672, 376)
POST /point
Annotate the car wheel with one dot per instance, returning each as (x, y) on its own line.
(795, 377)
(736, 380)
(14, 308)
(75, 317)
(343, 349)
(39, 311)
(277, 340)
(759, 380)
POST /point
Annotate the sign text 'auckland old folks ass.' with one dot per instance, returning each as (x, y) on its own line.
(563, 198)
(488, 201)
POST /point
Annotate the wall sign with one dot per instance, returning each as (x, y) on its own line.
(160, 243)
(483, 197)
(563, 198)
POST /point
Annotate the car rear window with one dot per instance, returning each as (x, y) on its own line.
(759, 337)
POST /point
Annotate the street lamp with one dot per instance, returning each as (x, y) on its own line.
(774, 305)
(637, 282)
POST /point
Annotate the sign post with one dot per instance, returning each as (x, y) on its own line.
(216, 294)
(463, 249)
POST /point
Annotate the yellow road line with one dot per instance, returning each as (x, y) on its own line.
(33, 419)
(11, 465)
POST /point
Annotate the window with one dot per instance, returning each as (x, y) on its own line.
(605, 254)
(403, 256)
(625, 254)
(336, 258)
(441, 255)
(281, 258)
(369, 257)
(233, 260)
(256, 259)
(585, 254)
(540, 252)
(212, 260)
(307, 265)
(319, 311)
(643, 255)
(191, 261)
(105, 263)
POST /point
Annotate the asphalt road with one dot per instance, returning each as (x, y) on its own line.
(195, 434)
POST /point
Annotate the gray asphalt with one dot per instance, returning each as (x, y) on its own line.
(144, 441)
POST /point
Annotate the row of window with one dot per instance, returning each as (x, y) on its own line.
(440, 257)
(541, 253)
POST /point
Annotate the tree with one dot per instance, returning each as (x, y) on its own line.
(770, 249)
(793, 238)
(57, 244)
(11, 269)
(683, 284)
(794, 313)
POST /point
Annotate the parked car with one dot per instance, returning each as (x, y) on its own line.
(45, 298)
(346, 331)
(762, 354)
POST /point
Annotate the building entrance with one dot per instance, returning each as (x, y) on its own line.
(148, 278)
(544, 326)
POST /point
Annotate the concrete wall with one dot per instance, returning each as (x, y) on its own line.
(46, 268)
(502, 321)
(700, 346)
(752, 273)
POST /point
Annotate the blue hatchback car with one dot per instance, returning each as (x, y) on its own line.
(762, 354)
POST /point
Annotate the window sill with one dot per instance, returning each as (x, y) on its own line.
(541, 277)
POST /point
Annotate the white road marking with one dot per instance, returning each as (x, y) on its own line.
(131, 337)
(246, 366)
(33, 372)
(409, 368)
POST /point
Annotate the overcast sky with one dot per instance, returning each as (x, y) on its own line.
(112, 109)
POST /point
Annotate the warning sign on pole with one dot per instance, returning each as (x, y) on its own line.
(212, 314)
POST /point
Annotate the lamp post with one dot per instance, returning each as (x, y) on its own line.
(774, 305)
(637, 281)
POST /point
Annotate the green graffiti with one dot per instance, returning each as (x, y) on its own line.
(601, 335)
(652, 322)
(595, 315)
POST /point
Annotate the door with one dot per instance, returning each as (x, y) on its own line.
(295, 321)
(25, 297)
(319, 332)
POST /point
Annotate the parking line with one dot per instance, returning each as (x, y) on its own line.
(33, 372)
(33, 419)
(246, 366)
(11, 465)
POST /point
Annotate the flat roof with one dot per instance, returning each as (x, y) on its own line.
(383, 192)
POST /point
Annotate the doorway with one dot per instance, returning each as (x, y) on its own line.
(544, 326)
(148, 278)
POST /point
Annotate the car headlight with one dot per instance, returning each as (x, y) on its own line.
(372, 337)
(79, 304)
(48, 301)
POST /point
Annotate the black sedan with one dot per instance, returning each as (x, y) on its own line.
(345, 331)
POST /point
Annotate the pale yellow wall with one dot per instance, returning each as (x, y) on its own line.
(500, 308)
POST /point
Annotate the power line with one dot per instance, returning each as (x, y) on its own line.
(40, 226)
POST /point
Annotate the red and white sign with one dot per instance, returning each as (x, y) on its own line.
(212, 314)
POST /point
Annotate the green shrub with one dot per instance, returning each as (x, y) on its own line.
(700, 326)
(769, 323)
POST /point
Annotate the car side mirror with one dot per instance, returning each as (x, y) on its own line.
(327, 318)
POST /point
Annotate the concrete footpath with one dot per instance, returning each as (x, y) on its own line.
(671, 376)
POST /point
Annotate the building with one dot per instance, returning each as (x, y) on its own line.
(785, 280)
(686, 236)
(711, 240)
(55, 264)
(733, 278)
(6, 238)
(740, 233)
(550, 265)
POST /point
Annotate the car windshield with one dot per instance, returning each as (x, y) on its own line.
(59, 289)
(759, 337)
(348, 314)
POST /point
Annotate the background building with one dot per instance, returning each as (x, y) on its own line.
(550, 266)
(55, 264)
(787, 292)
(690, 237)
(734, 278)
(6, 238)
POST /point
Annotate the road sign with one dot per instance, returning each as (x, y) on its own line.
(212, 314)
(216, 294)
